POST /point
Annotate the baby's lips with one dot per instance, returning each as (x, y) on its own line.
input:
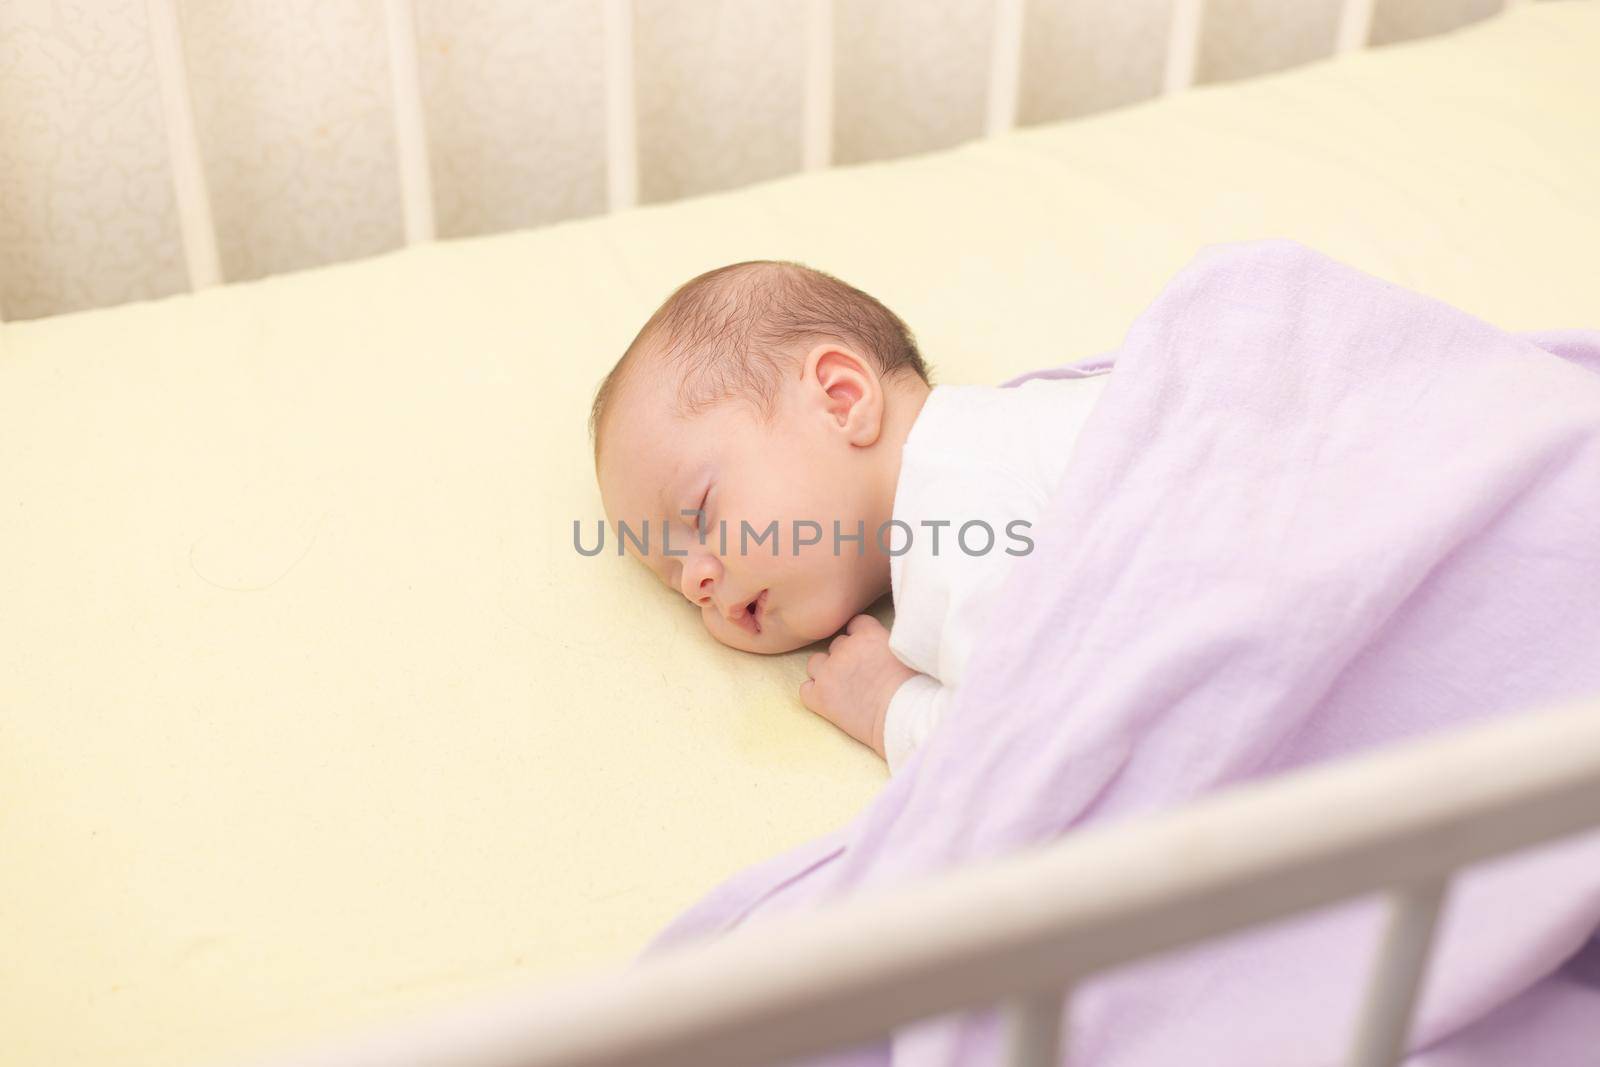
(744, 617)
(760, 612)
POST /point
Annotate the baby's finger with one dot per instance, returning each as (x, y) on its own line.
(833, 646)
(807, 687)
(860, 622)
(814, 664)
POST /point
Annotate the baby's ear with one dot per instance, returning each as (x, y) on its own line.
(847, 392)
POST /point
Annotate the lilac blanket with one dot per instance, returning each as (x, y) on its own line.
(1313, 513)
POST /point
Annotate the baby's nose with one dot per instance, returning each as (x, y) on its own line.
(699, 580)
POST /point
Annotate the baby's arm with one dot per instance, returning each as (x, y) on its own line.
(851, 685)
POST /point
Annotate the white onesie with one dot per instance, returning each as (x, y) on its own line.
(975, 454)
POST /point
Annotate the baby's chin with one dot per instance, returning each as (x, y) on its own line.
(770, 643)
(780, 636)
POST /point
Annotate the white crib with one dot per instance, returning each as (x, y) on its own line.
(1022, 931)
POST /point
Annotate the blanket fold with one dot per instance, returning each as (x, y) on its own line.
(1313, 513)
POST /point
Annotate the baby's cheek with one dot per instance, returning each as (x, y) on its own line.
(838, 606)
(815, 613)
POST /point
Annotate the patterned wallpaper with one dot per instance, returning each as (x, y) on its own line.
(718, 94)
(514, 101)
(292, 108)
(87, 215)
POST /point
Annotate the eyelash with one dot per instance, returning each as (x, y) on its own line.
(702, 516)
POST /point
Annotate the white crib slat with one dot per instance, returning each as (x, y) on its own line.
(1005, 67)
(622, 147)
(183, 146)
(816, 136)
(410, 130)
(1031, 1030)
(1392, 993)
(1183, 45)
(1355, 25)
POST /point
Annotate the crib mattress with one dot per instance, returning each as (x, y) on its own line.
(310, 714)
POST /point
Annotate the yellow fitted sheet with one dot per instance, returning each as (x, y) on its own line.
(309, 712)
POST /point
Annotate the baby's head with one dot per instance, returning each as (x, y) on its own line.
(761, 393)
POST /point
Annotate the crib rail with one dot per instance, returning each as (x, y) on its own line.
(1021, 930)
(622, 150)
(197, 230)
(183, 147)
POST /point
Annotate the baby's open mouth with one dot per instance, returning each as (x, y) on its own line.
(749, 616)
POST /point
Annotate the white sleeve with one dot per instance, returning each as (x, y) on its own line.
(914, 711)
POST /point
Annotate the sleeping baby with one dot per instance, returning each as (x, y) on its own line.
(771, 447)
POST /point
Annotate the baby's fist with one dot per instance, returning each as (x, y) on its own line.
(852, 683)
